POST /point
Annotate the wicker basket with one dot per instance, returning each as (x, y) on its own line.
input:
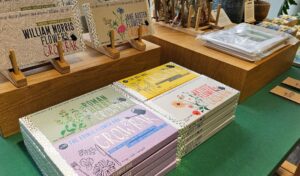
(261, 10)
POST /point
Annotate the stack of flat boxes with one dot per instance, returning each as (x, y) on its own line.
(196, 105)
(141, 125)
(101, 133)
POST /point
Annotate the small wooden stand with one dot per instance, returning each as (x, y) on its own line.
(15, 75)
(212, 24)
(111, 50)
(60, 63)
(138, 43)
(18, 79)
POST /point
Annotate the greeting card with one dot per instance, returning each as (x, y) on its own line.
(156, 81)
(124, 17)
(22, 5)
(118, 144)
(188, 103)
(79, 113)
(33, 35)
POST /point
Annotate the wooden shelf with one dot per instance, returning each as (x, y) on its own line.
(245, 76)
(89, 71)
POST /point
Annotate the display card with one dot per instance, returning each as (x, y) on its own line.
(193, 100)
(80, 113)
(33, 35)
(156, 81)
(118, 144)
(123, 16)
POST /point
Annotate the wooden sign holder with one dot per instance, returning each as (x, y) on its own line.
(111, 50)
(60, 64)
(138, 43)
(212, 24)
(17, 77)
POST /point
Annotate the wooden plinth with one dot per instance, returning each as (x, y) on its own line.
(245, 76)
(89, 71)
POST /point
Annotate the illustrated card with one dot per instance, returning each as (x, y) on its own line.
(22, 5)
(80, 113)
(122, 16)
(156, 81)
(191, 101)
(118, 144)
(33, 35)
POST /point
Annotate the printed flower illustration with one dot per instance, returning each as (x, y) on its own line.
(72, 121)
(196, 113)
(178, 104)
(121, 28)
(104, 168)
(87, 163)
(191, 101)
(117, 24)
(120, 10)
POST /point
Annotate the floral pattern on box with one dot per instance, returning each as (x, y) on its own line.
(80, 113)
(193, 100)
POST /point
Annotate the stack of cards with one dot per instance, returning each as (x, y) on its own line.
(249, 42)
(100, 133)
(196, 105)
(198, 109)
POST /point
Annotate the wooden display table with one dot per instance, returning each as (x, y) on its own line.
(265, 131)
(245, 76)
(89, 70)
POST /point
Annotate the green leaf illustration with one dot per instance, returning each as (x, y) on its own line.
(63, 132)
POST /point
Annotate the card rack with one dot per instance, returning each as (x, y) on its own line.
(17, 77)
(196, 29)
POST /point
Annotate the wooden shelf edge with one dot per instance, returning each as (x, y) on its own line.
(49, 87)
